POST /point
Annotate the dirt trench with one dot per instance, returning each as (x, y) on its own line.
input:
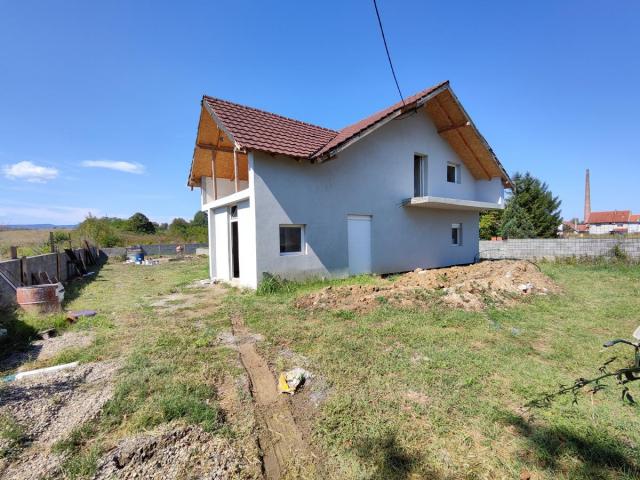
(285, 453)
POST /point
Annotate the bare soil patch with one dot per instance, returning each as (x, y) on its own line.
(47, 409)
(285, 451)
(471, 287)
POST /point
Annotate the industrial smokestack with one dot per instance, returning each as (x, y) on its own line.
(587, 198)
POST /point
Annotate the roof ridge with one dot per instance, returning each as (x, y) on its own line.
(247, 107)
(391, 108)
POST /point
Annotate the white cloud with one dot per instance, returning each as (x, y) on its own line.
(29, 172)
(34, 213)
(127, 167)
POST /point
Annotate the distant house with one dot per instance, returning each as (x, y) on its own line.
(611, 222)
(397, 190)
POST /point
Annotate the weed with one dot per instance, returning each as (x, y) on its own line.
(272, 284)
(345, 314)
(12, 435)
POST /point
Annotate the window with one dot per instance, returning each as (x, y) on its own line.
(291, 239)
(453, 173)
(456, 234)
(419, 175)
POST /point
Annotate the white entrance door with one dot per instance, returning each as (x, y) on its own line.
(359, 240)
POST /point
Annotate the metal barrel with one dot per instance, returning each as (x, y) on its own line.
(39, 298)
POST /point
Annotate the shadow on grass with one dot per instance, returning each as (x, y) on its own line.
(387, 456)
(74, 288)
(600, 455)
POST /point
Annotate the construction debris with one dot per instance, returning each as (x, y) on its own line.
(291, 380)
(75, 316)
(499, 283)
(40, 371)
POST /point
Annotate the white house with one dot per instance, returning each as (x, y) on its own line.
(612, 222)
(398, 190)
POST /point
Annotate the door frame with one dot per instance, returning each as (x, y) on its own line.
(232, 220)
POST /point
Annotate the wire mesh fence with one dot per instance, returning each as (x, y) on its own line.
(538, 248)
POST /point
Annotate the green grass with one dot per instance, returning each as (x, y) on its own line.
(471, 373)
(171, 361)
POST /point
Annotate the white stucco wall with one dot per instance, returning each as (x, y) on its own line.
(224, 187)
(372, 177)
(220, 238)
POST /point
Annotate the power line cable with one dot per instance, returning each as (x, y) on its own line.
(384, 39)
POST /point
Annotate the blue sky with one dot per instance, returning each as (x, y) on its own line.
(552, 85)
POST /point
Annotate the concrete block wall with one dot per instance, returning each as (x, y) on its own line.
(157, 249)
(10, 268)
(530, 249)
(55, 264)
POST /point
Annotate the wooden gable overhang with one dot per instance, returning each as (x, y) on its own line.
(215, 147)
(456, 127)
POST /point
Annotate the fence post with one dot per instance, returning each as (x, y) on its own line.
(13, 253)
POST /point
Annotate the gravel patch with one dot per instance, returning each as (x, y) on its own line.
(48, 408)
(184, 452)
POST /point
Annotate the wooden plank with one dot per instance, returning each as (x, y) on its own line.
(235, 170)
(213, 175)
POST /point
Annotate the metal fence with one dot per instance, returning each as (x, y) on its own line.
(534, 248)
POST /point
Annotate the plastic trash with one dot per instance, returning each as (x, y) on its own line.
(41, 371)
(291, 380)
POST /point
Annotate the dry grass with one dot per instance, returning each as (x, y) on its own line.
(29, 242)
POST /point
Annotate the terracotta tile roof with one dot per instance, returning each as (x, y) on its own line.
(635, 218)
(352, 130)
(612, 216)
(260, 130)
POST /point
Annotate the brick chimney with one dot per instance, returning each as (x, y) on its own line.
(587, 198)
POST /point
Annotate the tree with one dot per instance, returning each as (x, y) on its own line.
(532, 210)
(139, 223)
(179, 226)
(490, 224)
(99, 231)
(516, 222)
(200, 219)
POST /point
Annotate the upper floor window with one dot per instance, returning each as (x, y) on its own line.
(419, 175)
(453, 173)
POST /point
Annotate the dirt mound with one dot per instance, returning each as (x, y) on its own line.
(46, 409)
(182, 452)
(471, 287)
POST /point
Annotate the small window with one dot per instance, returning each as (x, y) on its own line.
(453, 173)
(291, 239)
(234, 211)
(456, 234)
(419, 175)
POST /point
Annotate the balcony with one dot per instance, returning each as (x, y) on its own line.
(444, 203)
